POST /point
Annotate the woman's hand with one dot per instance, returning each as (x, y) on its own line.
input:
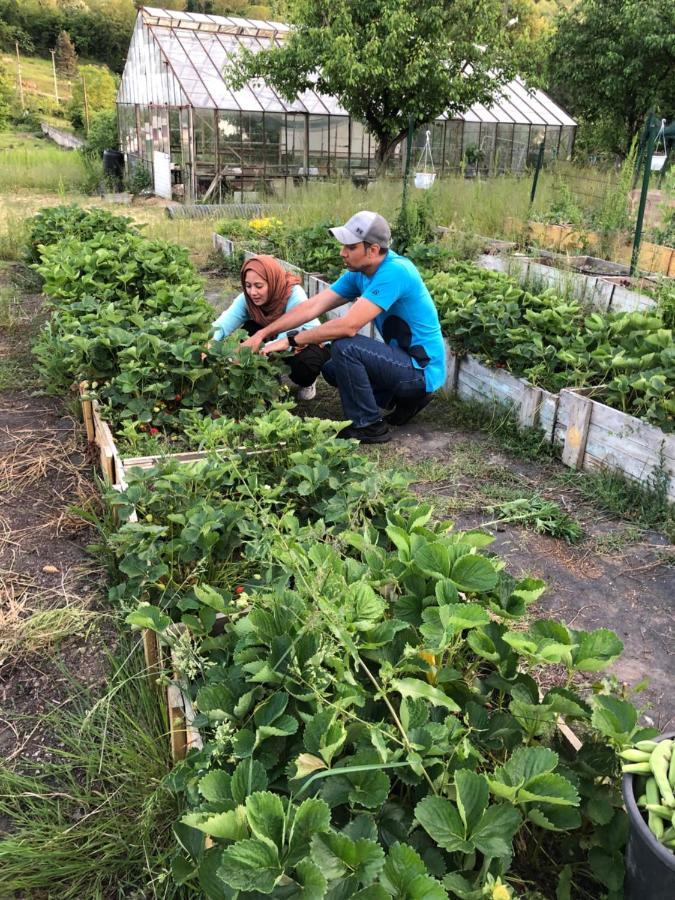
(253, 342)
(276, 346)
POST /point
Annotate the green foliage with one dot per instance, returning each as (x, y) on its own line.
(6, 96)
(414, 225)
(611, 62)
(102, 133)
(311, 248)
(129, 316)
(91, 819)
(556, 343)
(140, 179)
(56, 223)
(348, 744)
(101, 90)
(353, 52)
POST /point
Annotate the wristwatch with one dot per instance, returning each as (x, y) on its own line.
(290, 337)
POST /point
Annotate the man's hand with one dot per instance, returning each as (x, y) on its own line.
(276, 346)
(253, 342)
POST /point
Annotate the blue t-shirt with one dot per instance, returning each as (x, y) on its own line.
(408, 319)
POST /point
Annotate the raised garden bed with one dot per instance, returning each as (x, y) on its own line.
(588, 434)
(654, 258)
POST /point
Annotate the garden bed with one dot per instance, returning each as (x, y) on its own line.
(587, 434)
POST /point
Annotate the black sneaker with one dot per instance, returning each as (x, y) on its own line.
(375, 433)
(405, 410)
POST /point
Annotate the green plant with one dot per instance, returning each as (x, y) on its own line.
(139, 179)
(554, 342)
(545, 516)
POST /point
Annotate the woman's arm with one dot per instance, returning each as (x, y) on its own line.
(298, 315)
(231, 319)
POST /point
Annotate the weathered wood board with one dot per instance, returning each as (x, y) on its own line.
(593, 290)
(533, 406)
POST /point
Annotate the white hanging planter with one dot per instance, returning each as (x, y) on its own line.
(424, 180)
(658, 162)
(426, 176)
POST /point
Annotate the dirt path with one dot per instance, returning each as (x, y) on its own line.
(52, 626)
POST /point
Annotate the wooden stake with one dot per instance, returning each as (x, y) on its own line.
(151, 651)
(18, 72)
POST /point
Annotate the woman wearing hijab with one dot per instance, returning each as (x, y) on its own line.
(269, 291)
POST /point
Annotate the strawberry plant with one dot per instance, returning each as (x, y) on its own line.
(627, 358)
(384, 685)
(54, 224)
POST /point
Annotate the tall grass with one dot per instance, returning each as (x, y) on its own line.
(94, 820)
(41, 168)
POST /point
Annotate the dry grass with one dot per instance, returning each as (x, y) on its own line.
(24, 631)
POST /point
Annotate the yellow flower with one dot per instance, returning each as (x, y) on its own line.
(264, 224)
(501, 892)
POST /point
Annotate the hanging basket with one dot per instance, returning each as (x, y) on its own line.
(658, 162)
(424, 180)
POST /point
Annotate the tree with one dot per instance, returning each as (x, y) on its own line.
(65, 57)
(387, 61)
(103, 133)
(101, 86)
(6, 96)
(612, 61)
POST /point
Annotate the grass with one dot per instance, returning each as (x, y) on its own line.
(94, 820)
(37, 76)
(496, 420)
(41, 167)
(644, 505)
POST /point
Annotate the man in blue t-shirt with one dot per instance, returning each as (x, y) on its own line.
(406, 366)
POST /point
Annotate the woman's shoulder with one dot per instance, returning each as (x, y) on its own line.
(297, 294)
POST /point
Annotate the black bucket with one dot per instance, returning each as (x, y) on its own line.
(650, 867)
(113, 166)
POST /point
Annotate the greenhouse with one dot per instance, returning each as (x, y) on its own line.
(202, 140)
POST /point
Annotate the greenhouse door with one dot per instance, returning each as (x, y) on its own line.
(161, 164)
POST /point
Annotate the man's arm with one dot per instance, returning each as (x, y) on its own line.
(361, 312)
(304, 312)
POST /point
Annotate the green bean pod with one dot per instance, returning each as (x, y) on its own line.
(646, 745)
(638, 768)
(633, 755)
(664, 811)
(658, 762)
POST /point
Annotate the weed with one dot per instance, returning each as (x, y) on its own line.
(545, 516)
(614, 542)
(94, 820)
(646, 505)
(12, 376)
(500, 422)
(11, 309)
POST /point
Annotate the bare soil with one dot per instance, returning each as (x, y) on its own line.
(44, 566)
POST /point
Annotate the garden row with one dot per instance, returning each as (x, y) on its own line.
(600, 385)
(376, 716)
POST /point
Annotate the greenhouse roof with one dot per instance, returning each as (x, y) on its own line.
(195, 49)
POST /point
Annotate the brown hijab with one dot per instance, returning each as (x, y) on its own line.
(280, 282)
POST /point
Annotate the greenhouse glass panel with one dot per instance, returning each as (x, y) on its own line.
(339, 143)
(360, 155)
(566, 138)
(318, 145)
(504, 148)
(205, 136)
(552, 139)
(127, 127)
(253, 139)
(521, 142)
(293, 154)
(275, 128)
(174, 137)
(229, 138)
(471, 137)
(488, 138)
(453, 145)
(537, 135)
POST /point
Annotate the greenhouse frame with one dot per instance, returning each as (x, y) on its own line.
(203, 140)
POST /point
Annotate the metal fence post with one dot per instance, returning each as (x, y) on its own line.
(540, 162)
(647, 161)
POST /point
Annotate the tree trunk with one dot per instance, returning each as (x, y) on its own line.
(385, 150)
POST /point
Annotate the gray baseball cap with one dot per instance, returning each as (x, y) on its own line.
(364, 226)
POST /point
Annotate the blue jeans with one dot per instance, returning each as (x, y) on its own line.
(369, 375)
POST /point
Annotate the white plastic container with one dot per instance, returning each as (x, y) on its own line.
(424, 180)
